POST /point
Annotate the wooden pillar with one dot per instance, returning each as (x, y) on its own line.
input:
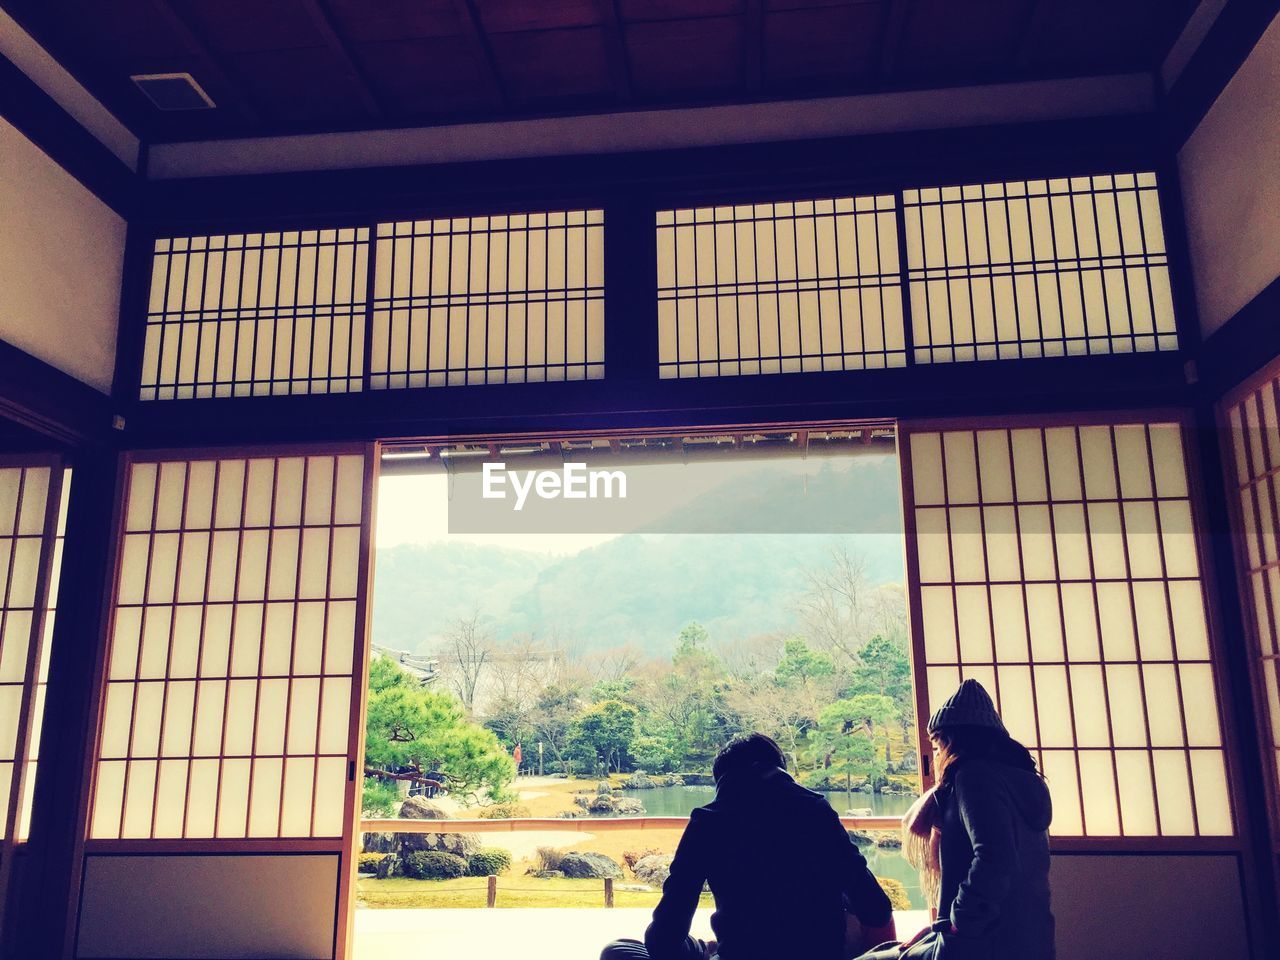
(493, 891)
(608, 891)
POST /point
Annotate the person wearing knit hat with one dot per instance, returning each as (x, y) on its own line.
(980, 840)
(970, 706)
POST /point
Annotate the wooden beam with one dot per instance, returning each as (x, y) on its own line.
(616, 49)
(41, 398)
(200, 50)
(322, 19)
(891, 36)
(1031, 29)
(753, 47)
(473, 33)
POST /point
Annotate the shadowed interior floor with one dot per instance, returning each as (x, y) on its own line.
(516, 933)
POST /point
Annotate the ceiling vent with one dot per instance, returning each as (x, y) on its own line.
(173, 91)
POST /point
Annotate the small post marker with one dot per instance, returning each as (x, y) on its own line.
(608, 891)
(493, 891)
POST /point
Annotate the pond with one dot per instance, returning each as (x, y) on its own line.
(680, 801)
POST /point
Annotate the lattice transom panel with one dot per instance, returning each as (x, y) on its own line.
(256, 314)
(501, 299)
(1038, 268)
(779, 287)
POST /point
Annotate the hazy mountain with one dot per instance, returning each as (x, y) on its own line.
(642, 588)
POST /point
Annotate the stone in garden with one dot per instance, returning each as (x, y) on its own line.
(459, 844)
(639, 781)
(590, 866)
(889, 841)
(653, 869)
(602, 804)
(603, 789)
(628, 807)
(549, 874)
(389, 866)
(420, 808)
(378, 843)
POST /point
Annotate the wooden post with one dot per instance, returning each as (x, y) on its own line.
(608, 891)
(493, 891)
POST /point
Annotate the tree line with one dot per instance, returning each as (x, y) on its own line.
(835, 693)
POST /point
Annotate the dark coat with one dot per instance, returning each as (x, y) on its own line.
(995, 864)
(780, 866)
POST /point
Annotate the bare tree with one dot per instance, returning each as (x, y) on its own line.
(835, 609)
(751, 656)
(467, 647)
(616, 663)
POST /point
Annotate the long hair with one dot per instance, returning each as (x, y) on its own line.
(962, 742)
(922, 824)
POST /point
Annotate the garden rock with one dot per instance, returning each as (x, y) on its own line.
(402, 844)
(549, 874)
(379, 843)
(389, 867)
(603, 789)
(889, 841)
(639, 781)
(590, 866)
(459, 844)
(628, 807)
(653, 869)
(420, 808)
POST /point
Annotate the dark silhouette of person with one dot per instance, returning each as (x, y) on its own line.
(781, 867)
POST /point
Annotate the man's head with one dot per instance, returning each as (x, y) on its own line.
(747, 750)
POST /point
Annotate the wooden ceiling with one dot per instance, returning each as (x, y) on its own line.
(283, 66)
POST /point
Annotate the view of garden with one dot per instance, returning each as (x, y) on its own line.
(592, 678)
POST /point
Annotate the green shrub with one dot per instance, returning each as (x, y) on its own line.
(503, 811)
(434, 865)
(369, 861)
(896, 892)
(488, 862)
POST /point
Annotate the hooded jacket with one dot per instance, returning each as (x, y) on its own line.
(994, 854)
(781, 868)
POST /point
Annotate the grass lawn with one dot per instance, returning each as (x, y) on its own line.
(513, 891)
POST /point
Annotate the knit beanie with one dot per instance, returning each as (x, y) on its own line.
(969, 706)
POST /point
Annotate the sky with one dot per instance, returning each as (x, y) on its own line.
(415, 508)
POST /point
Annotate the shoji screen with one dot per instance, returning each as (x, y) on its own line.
(779, 287)
(500, 299)
(31, 497)
(234, 661)
(1059, 566)
(1038, 268)
(1254, 423)
(256, 314)
(232, 679)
